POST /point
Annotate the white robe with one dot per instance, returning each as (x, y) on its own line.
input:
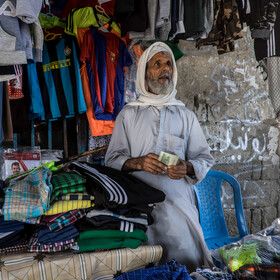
(140, 130)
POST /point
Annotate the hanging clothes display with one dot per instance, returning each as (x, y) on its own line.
(7, 123)
(106, 79)
(262, 18)
(271, 46)
(16, 39)
(243, 10)
(163, 20)
(149, 33)
(36, 108)
(89, 16)
(62, 78)
(226, 27)
(12, 46)
(108, 6)
(208, 17)
(193, 19)
(267, 50)
(174, 17)
(97, 127)
(132, 15)
(54, 7)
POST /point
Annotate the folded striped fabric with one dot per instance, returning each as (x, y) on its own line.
(68, 205)
(57, 247)
(75, 196)
(67, 190)
(113, 187)
(66, 219)
(66, 179)
(22, 247)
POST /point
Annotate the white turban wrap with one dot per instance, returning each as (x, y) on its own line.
(146, 97)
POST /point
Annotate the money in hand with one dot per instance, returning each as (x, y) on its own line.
(168, 159)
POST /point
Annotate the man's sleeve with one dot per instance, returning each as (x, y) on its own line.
(118, 151)
(198, 152)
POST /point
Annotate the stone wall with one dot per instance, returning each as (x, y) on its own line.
(230, 97)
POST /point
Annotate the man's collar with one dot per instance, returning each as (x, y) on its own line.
(169, 107)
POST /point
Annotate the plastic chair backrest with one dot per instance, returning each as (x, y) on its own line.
(211, 214)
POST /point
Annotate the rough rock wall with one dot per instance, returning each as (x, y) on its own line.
(230, 97)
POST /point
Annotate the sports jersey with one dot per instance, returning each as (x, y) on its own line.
(88, 16)
(97, 127)
(106, 79)
(36, 109)
(62, 78)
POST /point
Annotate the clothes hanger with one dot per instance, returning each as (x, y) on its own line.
(101, 10)
(103, 13)
(50, 35)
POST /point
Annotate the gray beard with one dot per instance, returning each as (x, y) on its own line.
(157, 88)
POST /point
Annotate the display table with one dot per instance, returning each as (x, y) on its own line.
(69, 265)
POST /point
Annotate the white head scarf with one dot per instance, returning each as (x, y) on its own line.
(146, 97)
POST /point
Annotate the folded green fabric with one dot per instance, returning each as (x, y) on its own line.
(108, 233)
(66, 179)
(108, 243)
(63, 191)
(110, 239)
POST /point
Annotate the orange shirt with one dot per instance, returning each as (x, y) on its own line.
(97, 127)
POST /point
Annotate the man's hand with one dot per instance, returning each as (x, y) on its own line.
(151, 164)
(147, 163)
(180, 170)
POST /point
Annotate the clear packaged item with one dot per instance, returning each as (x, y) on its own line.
(254, 253)
(51, 155)
(20, 160)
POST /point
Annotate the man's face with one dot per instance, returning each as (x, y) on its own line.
(159, 74)
(15, 169)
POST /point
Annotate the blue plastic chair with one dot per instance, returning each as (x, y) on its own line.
(211, 214)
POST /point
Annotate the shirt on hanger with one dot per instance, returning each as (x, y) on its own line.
(106, 79)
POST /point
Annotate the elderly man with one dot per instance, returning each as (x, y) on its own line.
(158, 122)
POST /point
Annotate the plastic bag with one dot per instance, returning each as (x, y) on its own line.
(20, 160)
(259, 248)
(51, 155)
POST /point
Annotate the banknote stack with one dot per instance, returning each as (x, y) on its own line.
(168, 159)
